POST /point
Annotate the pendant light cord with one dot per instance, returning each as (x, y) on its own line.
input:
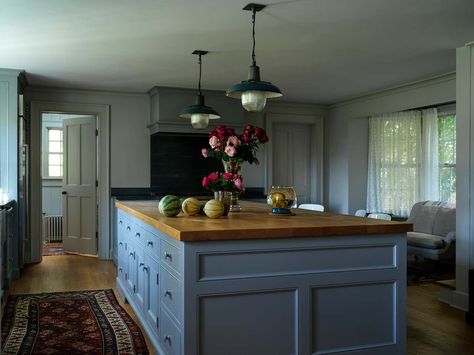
(254, 63)
(200, 70)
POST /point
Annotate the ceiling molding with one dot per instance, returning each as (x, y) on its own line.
(438, 79)
(54, 89)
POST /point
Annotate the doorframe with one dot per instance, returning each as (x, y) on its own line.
(102, 113)
(317, 146)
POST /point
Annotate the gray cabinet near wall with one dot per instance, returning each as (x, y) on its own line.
(284, 296)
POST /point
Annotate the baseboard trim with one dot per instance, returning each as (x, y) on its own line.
(460, 301)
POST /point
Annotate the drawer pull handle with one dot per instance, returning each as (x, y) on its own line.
(150, 243)
(167, 255)
(168, 293)
(120, 269)
(120, 243)
(137, 235)
(131, 253)
(146, 268)
(120, 222)
(168, 339)
(141, 264)
(128, 228)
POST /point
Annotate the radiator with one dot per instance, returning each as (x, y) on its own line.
(52, 229)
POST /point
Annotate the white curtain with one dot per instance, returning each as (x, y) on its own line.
(394, 162)
(429, 179)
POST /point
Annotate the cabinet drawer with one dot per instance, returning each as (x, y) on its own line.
(171, 256)
(170, 294)
(170, 337)
(138, 234)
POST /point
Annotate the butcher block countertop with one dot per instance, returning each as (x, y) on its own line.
(255, 222)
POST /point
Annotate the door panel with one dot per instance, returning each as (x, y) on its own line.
(152, 293)
(79, 185)
(292, 158)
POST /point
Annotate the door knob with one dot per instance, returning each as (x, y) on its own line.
(64, 193)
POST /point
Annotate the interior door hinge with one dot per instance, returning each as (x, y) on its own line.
(157, 279)
(96, 132)
(97, 235)
(96, 183)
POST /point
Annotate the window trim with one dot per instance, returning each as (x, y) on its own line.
(45, 151)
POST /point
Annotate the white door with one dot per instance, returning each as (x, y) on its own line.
(291, 152)
(79, 185)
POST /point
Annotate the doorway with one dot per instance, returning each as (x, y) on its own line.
(69, 176)
(85, 183)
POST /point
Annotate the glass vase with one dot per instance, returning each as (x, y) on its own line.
(225, 197)
(234, 166)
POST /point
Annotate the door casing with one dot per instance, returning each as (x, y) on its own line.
(102, 112)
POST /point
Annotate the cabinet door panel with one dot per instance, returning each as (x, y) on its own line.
(131, 267)
(141, 278)
(152, 299)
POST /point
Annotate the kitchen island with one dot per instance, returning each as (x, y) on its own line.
(254, 283)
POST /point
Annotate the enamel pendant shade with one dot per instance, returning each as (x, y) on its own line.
(254, 92)
(199, 113)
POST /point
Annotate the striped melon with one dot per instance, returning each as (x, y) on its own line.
(169, 206)
(214, 208)
(191, 206)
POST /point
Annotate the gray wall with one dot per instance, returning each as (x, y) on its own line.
(346, 145)
(129, 135)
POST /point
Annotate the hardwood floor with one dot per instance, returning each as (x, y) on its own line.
(433, 327)
(71, 273)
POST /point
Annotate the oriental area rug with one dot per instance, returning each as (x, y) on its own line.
(50, 249)
(84, 322)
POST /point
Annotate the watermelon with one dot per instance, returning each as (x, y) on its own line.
(214, 208)
(191, 206)
(169, 206)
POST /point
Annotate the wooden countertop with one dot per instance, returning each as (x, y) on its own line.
(255, 222)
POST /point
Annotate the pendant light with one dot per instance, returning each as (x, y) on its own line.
(253, 92)
(199, 113)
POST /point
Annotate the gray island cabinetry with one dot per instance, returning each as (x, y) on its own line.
(251, 283)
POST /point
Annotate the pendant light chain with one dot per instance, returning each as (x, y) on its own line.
(200, 72)
(253, 36)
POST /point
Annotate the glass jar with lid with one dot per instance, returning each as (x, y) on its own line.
(282, 199)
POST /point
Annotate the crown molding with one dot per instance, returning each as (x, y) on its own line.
(55, 89)
(438, 79)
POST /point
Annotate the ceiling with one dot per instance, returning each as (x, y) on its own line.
(319, 51)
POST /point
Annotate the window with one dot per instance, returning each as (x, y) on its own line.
(447, 156)
(55, 153)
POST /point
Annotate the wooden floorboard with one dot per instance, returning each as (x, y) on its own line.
(71, 273)
(433, 327)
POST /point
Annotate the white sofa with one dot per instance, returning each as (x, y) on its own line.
(434, 230)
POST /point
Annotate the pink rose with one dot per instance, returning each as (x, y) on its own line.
(213, 177)
(213, 141)
(233, 141)
(204, 152)
(205, 182)
(238, 183)
(228, 176)
(230, 151)
(245, 138)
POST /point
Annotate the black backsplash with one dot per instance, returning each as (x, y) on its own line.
(177, 165)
